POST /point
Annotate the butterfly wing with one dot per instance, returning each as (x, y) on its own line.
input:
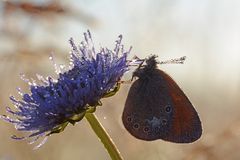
(148, 109)
(156, 108)
(186, 126)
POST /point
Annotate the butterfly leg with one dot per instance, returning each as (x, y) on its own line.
(135, 73)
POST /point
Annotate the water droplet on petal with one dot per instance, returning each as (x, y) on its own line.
(62, 66)
(40, 144)
(50, 57)
(23, 77)
(20, 91)
(17, 138)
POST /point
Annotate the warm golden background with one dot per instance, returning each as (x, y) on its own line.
(207, 32)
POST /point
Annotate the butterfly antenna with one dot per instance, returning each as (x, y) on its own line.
(174, 61)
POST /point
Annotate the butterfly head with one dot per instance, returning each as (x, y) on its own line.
(144, 71)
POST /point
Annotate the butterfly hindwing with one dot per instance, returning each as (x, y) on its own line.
(186, 125)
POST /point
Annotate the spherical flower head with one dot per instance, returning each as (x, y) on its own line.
(54, 103)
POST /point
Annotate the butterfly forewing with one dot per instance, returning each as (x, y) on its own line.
(148, 109)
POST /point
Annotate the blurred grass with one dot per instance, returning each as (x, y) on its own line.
(207, 32)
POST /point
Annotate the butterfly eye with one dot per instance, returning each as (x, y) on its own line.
(164, 121)
(136, 126)
(168, 109)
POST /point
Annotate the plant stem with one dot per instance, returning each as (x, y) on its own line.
(103, 136)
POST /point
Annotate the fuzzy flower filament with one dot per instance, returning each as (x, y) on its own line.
(54, 103)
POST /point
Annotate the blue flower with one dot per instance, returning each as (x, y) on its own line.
(55, 103)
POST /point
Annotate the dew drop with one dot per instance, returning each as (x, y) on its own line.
(40, 144)
(42, 79)
(62, 66)
(56, 67)
(17, 138)
(23, 77)
(50, 57)
(20, 91)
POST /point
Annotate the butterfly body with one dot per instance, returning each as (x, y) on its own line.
(156, 108)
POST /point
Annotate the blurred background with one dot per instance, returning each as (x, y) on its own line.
(207, 32)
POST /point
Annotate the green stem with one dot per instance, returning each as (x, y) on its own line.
(104, 137)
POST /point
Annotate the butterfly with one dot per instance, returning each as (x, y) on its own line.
(157, 108)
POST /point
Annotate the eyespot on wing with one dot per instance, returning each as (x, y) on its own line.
(186, 126)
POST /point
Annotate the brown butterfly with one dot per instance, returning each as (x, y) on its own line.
(156, 108)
